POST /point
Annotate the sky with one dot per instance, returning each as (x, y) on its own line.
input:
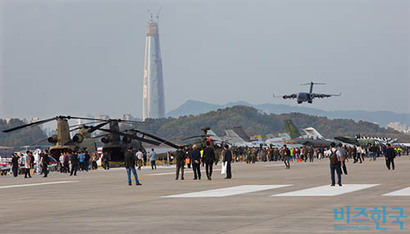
(79, 57)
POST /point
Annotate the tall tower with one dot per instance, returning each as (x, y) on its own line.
(153, 89)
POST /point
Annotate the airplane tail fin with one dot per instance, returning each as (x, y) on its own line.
(241, 133)
(311, 132)
(291, 129)
(311, 85)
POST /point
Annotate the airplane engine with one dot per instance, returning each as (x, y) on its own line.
(78, 138)
(52, 139)
(126, 140)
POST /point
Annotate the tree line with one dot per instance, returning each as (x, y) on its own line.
(254, 121)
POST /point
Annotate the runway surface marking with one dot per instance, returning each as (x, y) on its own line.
(326, 190)
(39, 184)
(224, 192)
(401, 192)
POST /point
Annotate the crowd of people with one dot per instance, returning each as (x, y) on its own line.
(29, 163)
(357, 153)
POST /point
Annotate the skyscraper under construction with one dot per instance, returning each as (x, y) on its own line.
(153, 105)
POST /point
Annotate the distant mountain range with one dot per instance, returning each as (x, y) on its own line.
(192, 107)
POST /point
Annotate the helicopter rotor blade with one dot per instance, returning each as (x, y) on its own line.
(83, 118)
(84, 124)
(98, 127)
(90, 128)
(159, 139)
(30, 124)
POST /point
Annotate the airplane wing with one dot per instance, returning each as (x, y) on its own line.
(289, 96)
(321, 95)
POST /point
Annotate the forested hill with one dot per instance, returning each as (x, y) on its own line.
(27, 136)
(256, 122)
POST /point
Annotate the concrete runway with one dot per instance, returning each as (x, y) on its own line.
(270, 199)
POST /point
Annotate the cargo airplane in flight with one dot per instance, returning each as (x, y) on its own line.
(307, 97)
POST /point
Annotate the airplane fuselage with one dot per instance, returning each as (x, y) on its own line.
(303, 97)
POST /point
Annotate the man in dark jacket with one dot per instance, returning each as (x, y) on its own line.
(45, 161)
(15, 164)
(195, 160)
(74, 161)
(129, 159)
(106, 160)
(390, 155)
(180, 162)
(227, 158)
(209, 159)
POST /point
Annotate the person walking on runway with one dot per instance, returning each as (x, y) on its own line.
(390, 155)
(208, 159)
(285, 152)
(227, 159)
(195, 156)
(180, 158)
(336, 162)
(129, 160)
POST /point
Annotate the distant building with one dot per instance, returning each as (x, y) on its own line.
(126, 117)
(7, 120)
(153, 104)
(34, 119)
(103, 117)
(401, 127)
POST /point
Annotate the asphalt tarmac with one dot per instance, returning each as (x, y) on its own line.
(260, 198)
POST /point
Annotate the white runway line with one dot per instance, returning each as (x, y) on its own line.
(401, 192)
(326, 190)
(224, 192)
(39, 184)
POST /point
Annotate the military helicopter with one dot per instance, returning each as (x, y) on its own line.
(307, 97)
(216, 142)
(203, 137)
(116, 141)
(62, 141)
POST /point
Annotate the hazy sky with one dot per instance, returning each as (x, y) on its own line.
(86, 56)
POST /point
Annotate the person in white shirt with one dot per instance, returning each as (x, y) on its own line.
(358, 154)
(139, 156)
(336, 162)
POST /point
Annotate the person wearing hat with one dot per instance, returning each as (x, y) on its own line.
(129, 159)
(196, 160)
